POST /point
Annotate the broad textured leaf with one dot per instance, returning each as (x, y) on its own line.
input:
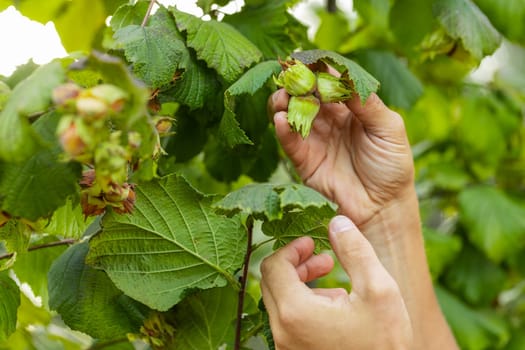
(311, 222)
(473, 329)
(155, 50)
(197, 84)
(127, 15)
(249, 83)
(254, 79)
(364, 83)
(22, 72)
(18, 140)
(34, 188)
(399, 88)
(32, 267)
(507, 16)
(68, 221)
(231, 132)
(265, 25)
(205, 320)
(463, 20)
(9, 302)
(87, 300)
(495, 223)
(441, 250)
(266, 201)
(465, 279)
(172, 243)
(219, 44)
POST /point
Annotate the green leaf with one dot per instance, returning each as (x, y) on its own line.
(41, 11)
(34, 188)
(495, 223)
(90, 15)
(464, 21)
(267, 202)
(155, 50)
(254, 79)
(364, 83)
(249, 83)
(399, 88)
(311, 222)
(473, 329)
(127, 15)
(333, 29)
(374, 12)
(68, 221)
(464, 279)
(265, 25)
(16, 237)
(219, 44)
(405, 15)
(32, 267)
(205, 320)
(507, 16)
(172, 243)
(22, 72)
(441, 250)
(9, 302)
(196, 86)
(87, 300)
(18, 140)
(231, 132)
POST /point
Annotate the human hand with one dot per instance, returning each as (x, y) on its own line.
(372, 316)
(356, 155)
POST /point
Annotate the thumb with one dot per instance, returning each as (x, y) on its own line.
(357, 257)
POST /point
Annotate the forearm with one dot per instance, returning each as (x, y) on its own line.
(396, 235)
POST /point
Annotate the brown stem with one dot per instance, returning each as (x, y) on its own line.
(244, 279)
(148, 13)
(42, 246)
(331, 6)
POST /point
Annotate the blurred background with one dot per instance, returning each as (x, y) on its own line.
(458, 81)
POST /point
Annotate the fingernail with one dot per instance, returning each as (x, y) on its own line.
(341, 223)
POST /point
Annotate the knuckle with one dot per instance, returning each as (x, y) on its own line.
(266, 265)
(382, 291)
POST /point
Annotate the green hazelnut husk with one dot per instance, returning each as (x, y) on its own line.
(296, 78)
(301, 113)
(332, 89)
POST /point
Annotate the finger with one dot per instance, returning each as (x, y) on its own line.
(279, 274)
(358, 259)
(278, 102)
(315, 267)
(292, 142)
(375, 115)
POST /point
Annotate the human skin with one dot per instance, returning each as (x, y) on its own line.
(358, 156)
(373, 316)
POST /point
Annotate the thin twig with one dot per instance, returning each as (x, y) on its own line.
(42, 246)
(244, 279)
(148, 13)
(331, 6)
